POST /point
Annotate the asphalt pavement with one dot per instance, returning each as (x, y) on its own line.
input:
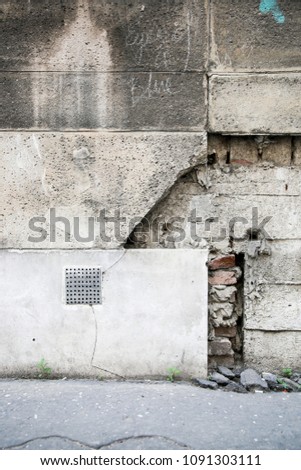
(90, 414)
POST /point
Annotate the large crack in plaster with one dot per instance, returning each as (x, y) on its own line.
(96, 326)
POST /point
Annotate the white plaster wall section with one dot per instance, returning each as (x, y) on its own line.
(148, 326)
(40, 324)
(144, 292)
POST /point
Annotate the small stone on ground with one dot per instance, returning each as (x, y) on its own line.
(206, 384)
(219, 378)
(251, 380)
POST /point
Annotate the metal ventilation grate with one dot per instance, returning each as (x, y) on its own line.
(83, 286)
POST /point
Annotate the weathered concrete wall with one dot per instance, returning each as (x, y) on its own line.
(104, 65)
(78, 66)
(245, 208)
(106, 105)
(78, 175)
(254, 66)
(153, 314)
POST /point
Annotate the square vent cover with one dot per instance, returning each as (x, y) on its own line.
(83, 286)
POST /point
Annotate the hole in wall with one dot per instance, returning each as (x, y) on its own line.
(253, 234)
(212, 159)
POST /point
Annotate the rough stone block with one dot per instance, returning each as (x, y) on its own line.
(83, 100)
(226, 331)
(104, 35)
(255, 103)
(222, 262)
(226, 372)
(250, 36)
(244, 151)
(272, 350)
(251, 380)
(235, 387)
(206, 384)
(277, 150)
(129, 334)
(269, 378)
(223, 294)
(220, 347)
(219, 378)
(222, 314)
(226, 278)
(78, 175)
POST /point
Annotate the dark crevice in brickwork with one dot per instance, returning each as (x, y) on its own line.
(293, 150)
(228, 157)
(240, 262)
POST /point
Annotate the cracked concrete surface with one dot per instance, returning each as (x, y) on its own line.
(86, 414)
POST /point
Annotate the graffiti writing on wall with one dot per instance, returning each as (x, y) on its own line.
(271, 6)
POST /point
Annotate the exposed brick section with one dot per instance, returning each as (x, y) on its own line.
(244, 151)
(226, 278)
(240, 162)
(223, 262)
(277, 150)
(220, 347)
(227, 332)
(224, 311)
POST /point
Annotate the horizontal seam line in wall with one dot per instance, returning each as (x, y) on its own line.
(251, 73)
(103, 131)
(271, 331)
(238, 196)
(279, 283)
(252, 194)
(58, 250)
(93, 72)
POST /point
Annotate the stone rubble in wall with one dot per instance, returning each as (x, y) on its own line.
(244, 380)
(224, 312)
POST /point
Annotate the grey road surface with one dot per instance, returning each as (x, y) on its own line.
(83, 414)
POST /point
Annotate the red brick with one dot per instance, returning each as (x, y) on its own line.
(226, 278)
(241, 162)
(222, 262)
